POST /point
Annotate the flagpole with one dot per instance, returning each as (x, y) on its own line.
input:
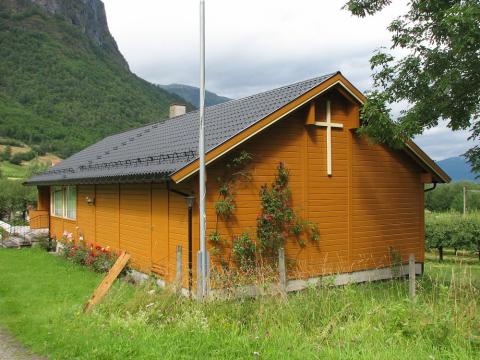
(202, 292)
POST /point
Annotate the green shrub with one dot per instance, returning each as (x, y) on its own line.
(18, 158)
(3, 234)
(6, 154)
(45, 242)
(244, 251)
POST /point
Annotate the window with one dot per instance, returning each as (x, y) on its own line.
(64, 201)
(57, 201)
(71, 202)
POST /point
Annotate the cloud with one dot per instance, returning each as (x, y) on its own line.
(251, 45)
(256, 45)
(441, 142)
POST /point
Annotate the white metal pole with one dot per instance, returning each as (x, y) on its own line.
(464, 200)
(201, 151)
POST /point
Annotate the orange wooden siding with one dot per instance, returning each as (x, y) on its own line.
(43, 202)
(160, 229)
(146, 220)
(371, 206)
(178, 231)
(107, 215)
(135, 224)
(354, 208)
(387, 206)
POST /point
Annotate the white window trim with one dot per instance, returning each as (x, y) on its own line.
(64, 203)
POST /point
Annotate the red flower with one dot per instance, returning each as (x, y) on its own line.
(269, 217)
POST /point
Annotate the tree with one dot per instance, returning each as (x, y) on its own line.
(439, 77)
(14, 198)
(448, 197)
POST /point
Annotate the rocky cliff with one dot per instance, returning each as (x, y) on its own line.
(87, 15)
(90, 17)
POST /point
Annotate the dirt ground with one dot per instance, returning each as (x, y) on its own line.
(10, 349)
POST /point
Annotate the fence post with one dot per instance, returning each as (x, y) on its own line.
(199, 275)
(207, 254)
(178, 277)
(411, 276)
(281, 269)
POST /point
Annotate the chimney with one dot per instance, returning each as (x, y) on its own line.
(177, 110)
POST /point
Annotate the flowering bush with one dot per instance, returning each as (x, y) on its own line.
(244, 251)
(96, 257)
(277, 220)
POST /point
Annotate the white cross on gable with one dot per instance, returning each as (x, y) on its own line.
(329, 125)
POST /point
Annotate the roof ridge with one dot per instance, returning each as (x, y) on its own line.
(326, 76)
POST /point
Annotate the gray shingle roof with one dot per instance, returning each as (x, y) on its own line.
(159, 149)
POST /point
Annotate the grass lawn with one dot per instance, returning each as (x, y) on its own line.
(41, 297)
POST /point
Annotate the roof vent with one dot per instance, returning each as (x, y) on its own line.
(177, 110)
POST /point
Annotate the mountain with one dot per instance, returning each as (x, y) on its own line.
(64, 83)
(191, 94)
(457, 168)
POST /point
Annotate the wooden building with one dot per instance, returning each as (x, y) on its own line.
(131, 190)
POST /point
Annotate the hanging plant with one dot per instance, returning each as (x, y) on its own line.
(235, 170)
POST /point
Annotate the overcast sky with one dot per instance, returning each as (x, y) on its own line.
(256, 45)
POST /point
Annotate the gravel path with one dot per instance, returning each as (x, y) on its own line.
(10, 349)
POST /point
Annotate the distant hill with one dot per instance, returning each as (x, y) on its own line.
(191, 94)
(457, 168)
(63, 82)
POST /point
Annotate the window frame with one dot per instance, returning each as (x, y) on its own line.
(65, 192)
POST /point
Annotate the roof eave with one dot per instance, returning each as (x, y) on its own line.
(221, 149)
(440, 176)
(337, 79)
(121, 179)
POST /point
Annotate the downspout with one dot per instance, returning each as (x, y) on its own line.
(190, 199)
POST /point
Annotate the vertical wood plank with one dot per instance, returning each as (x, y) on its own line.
(329, 139)
(281, 269)
(178, 277)
(107, 282)
(411, 276)
(311, 114)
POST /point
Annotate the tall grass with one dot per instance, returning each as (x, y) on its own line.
(372, 320)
